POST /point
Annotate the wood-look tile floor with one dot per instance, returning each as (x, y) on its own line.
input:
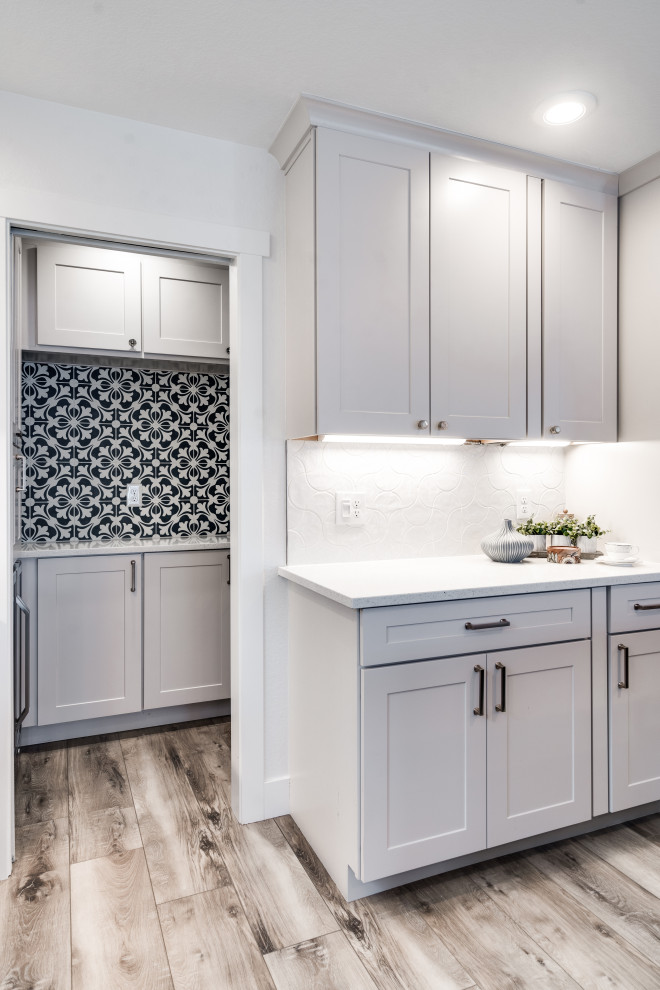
(132, 874)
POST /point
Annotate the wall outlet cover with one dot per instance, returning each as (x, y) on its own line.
(134, 495)
(349, 508)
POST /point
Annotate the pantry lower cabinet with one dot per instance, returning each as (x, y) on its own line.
(466, 753)
(89, 637)
(95, 643)
(186, 628)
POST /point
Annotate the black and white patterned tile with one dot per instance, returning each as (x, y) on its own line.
(90, 431)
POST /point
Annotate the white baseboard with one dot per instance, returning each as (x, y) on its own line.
(276, 797)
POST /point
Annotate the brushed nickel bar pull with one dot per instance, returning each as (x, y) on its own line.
(133, 587)
(502, 705)
(482, 685)
(488, 625)
(21, 457)
(645, 608)
(625, 683)
(25, 649)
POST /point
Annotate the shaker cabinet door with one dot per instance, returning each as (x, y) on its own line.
(423, 764)
(186, 627)
(478, 300)
(634, 663)
(539, 747)
(89, 637)
(88, 297)
(186, 308)
(579, 313)
(372, 286)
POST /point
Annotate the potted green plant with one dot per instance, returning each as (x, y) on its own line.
(589, 533)
(538, 530)
(566, 530)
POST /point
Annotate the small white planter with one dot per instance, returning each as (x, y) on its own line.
(557, 541)
(587, 544)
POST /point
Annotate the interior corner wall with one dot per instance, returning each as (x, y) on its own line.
(620, 482)
(97, 159)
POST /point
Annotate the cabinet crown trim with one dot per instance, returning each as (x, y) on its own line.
(314, 111)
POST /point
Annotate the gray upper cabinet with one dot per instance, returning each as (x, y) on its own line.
(579, 313)
(519, 339)
(185, 307)
(478, 300)
(88, 297)
(357, 287)
(372, 285)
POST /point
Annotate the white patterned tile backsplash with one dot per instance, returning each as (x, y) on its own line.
(419, 501)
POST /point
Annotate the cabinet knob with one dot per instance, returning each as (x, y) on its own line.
(423, 424)
(555, 429)
(132, 342)
(442, 425)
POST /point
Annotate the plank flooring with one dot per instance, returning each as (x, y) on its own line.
(132, 873)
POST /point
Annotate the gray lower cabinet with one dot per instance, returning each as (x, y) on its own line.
(634, 694)
(89, 637)
(186, 628)
(120, 633)
(467, 753)
(634, 663)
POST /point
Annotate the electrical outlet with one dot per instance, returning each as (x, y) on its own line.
(349, 507)
(523, 503)
(133, 495)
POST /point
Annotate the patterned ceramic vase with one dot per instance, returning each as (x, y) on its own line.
(506, 545)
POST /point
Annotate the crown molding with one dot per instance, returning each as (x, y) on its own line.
(640, 174)
(313, 111)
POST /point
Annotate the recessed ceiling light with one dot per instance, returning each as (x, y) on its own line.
(566, 108)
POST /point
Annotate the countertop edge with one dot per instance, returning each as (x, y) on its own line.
(611, 576)
(52, 550)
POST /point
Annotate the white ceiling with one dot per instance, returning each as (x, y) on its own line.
(232, 69)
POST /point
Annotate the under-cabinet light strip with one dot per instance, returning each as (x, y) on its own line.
(350, 438)
(436, 441)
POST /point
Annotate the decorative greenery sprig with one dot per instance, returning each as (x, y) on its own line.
(533, 527)
(565, 524)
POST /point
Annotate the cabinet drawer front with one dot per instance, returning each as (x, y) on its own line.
(414, 632)
(634, 606)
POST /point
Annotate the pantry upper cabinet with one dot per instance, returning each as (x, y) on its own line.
(579, 313)
(90, 298)
(186, 308)
(372, 299)
(478, 300)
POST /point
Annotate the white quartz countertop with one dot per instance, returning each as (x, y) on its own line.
(92, 548)
(369, 584)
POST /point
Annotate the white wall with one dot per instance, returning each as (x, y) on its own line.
(95, 160)
(621, 482)
(420, 500)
